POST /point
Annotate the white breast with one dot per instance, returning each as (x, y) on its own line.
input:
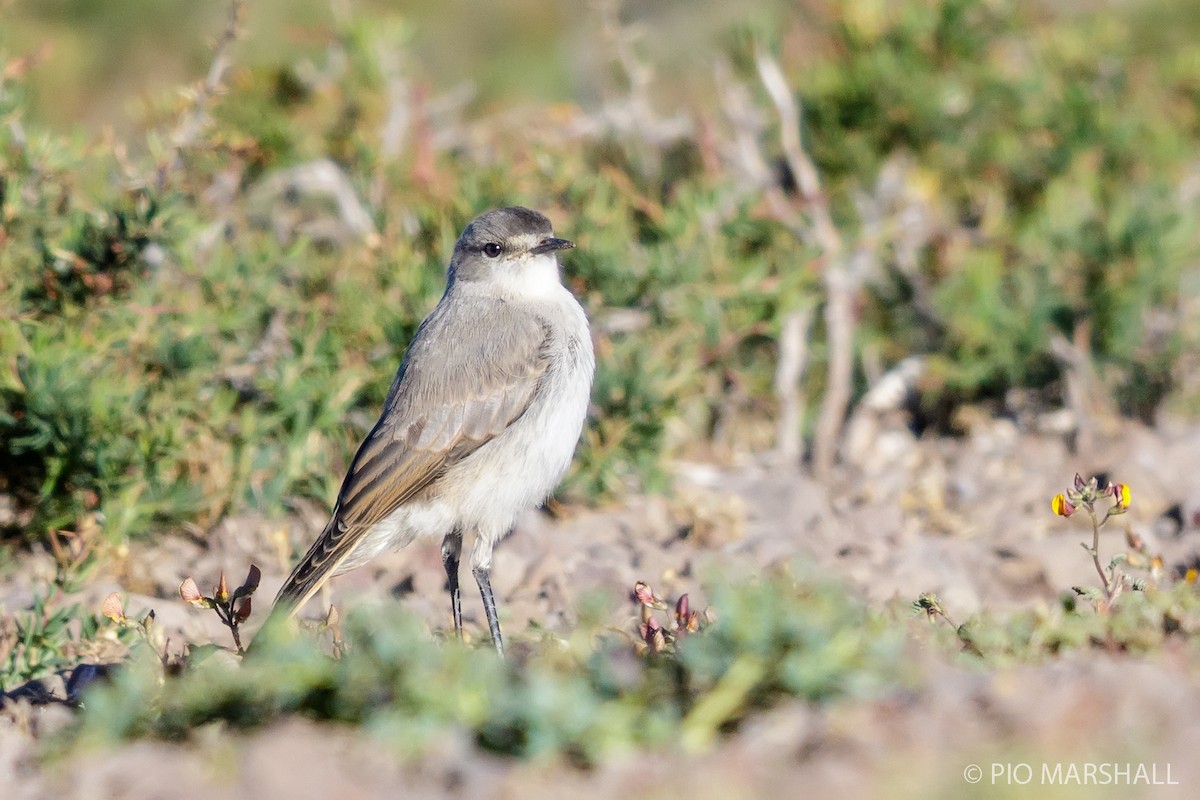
(520, 468)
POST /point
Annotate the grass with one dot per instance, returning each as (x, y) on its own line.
(586, 696)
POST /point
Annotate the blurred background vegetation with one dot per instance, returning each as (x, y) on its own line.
(207, 287)
(217, 240)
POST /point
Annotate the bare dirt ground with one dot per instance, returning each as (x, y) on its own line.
(967, 518)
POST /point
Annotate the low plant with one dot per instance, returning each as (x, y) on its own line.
(52, 634)
(1152, 608)
(581, 696)
(1086, 495)
(232, 608)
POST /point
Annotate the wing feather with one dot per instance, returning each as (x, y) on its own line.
(428, 424)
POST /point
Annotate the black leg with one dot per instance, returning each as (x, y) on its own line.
(451, 548)
(489, 607)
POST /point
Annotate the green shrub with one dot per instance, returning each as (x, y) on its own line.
(203, 356)
(583, 696)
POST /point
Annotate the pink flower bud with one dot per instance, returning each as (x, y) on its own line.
(681, 610)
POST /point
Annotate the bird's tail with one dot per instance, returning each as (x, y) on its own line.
(319, 564)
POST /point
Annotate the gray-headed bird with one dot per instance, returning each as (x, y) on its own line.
(481, 421)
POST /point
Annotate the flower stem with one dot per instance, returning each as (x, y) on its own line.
(1095, 551)
(229, 618)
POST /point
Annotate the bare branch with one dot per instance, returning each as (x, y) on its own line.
(620, 38)
(194, 120)
(793, 360)
(842, 280)
(744, 153)
(320, 180)
(628, 108)
(397, 123)
(808, 180)
(839, 326)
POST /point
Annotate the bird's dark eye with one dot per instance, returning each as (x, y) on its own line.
(491, 249)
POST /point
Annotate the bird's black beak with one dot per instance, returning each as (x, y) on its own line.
(550, 244)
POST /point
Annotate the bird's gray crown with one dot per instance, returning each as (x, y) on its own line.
(500, 225)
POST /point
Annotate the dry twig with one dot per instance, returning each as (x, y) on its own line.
(192, 124)
(793, 360)
(842, 279)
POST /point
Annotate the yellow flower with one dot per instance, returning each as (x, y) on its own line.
(1121, 494)
(1061, 506)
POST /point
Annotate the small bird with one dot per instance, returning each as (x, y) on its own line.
(481, 421)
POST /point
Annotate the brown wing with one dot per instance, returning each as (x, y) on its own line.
(460, 386)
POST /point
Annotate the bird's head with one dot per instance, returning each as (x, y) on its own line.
(511, 248)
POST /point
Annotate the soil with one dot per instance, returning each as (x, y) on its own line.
(967, 518)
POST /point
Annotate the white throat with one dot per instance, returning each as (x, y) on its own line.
(532, 276)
